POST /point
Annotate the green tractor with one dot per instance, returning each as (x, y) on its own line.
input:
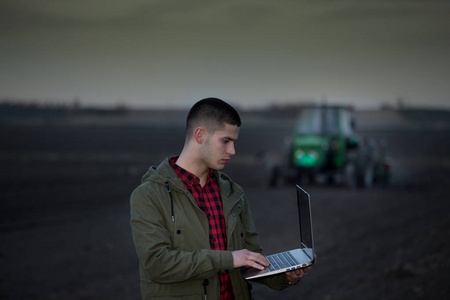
(324, 148)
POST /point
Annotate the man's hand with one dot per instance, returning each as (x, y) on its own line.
(246, 258)
(294, 276)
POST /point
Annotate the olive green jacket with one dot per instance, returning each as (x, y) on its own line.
(171, 237)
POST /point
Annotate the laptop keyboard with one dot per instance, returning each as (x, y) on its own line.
(281, 260)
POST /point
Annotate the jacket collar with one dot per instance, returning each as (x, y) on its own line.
(164, 172)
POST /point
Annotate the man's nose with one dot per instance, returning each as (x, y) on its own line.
(231, 150)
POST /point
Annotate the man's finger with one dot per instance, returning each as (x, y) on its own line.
(260, 260)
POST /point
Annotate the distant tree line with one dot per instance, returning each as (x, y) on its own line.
(23, 109)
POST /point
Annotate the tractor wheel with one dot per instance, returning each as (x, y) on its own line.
(274, 177)
(365, 176)
(350, 175)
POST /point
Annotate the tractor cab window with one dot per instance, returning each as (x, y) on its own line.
(321, 121)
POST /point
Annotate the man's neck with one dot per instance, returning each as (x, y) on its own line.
(194, 167)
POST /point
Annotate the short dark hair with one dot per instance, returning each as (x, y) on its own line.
(213, 113)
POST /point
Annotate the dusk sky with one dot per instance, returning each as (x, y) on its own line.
(153, 53)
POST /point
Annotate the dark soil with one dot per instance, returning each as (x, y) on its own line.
(64, 213)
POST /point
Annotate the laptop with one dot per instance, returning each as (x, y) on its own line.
(297, 258)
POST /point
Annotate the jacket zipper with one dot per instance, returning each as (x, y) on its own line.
(171, 200)
(205, 284)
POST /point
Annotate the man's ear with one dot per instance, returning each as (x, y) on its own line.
(200, 135)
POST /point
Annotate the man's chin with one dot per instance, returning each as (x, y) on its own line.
(218, 167)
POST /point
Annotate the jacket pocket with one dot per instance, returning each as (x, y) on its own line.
(188, 290)
(193, 297)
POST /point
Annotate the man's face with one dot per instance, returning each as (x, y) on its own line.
(219, 147)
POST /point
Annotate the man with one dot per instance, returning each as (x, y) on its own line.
(192, 225)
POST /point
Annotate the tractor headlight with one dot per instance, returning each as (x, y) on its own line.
(299, 153)
(314, 154)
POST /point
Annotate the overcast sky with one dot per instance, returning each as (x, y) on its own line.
(144, 53)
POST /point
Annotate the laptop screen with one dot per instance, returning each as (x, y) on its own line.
(304, 214)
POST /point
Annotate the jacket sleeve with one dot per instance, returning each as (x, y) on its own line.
(159, 260)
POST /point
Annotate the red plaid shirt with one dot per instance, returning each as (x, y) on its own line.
(209, 200)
